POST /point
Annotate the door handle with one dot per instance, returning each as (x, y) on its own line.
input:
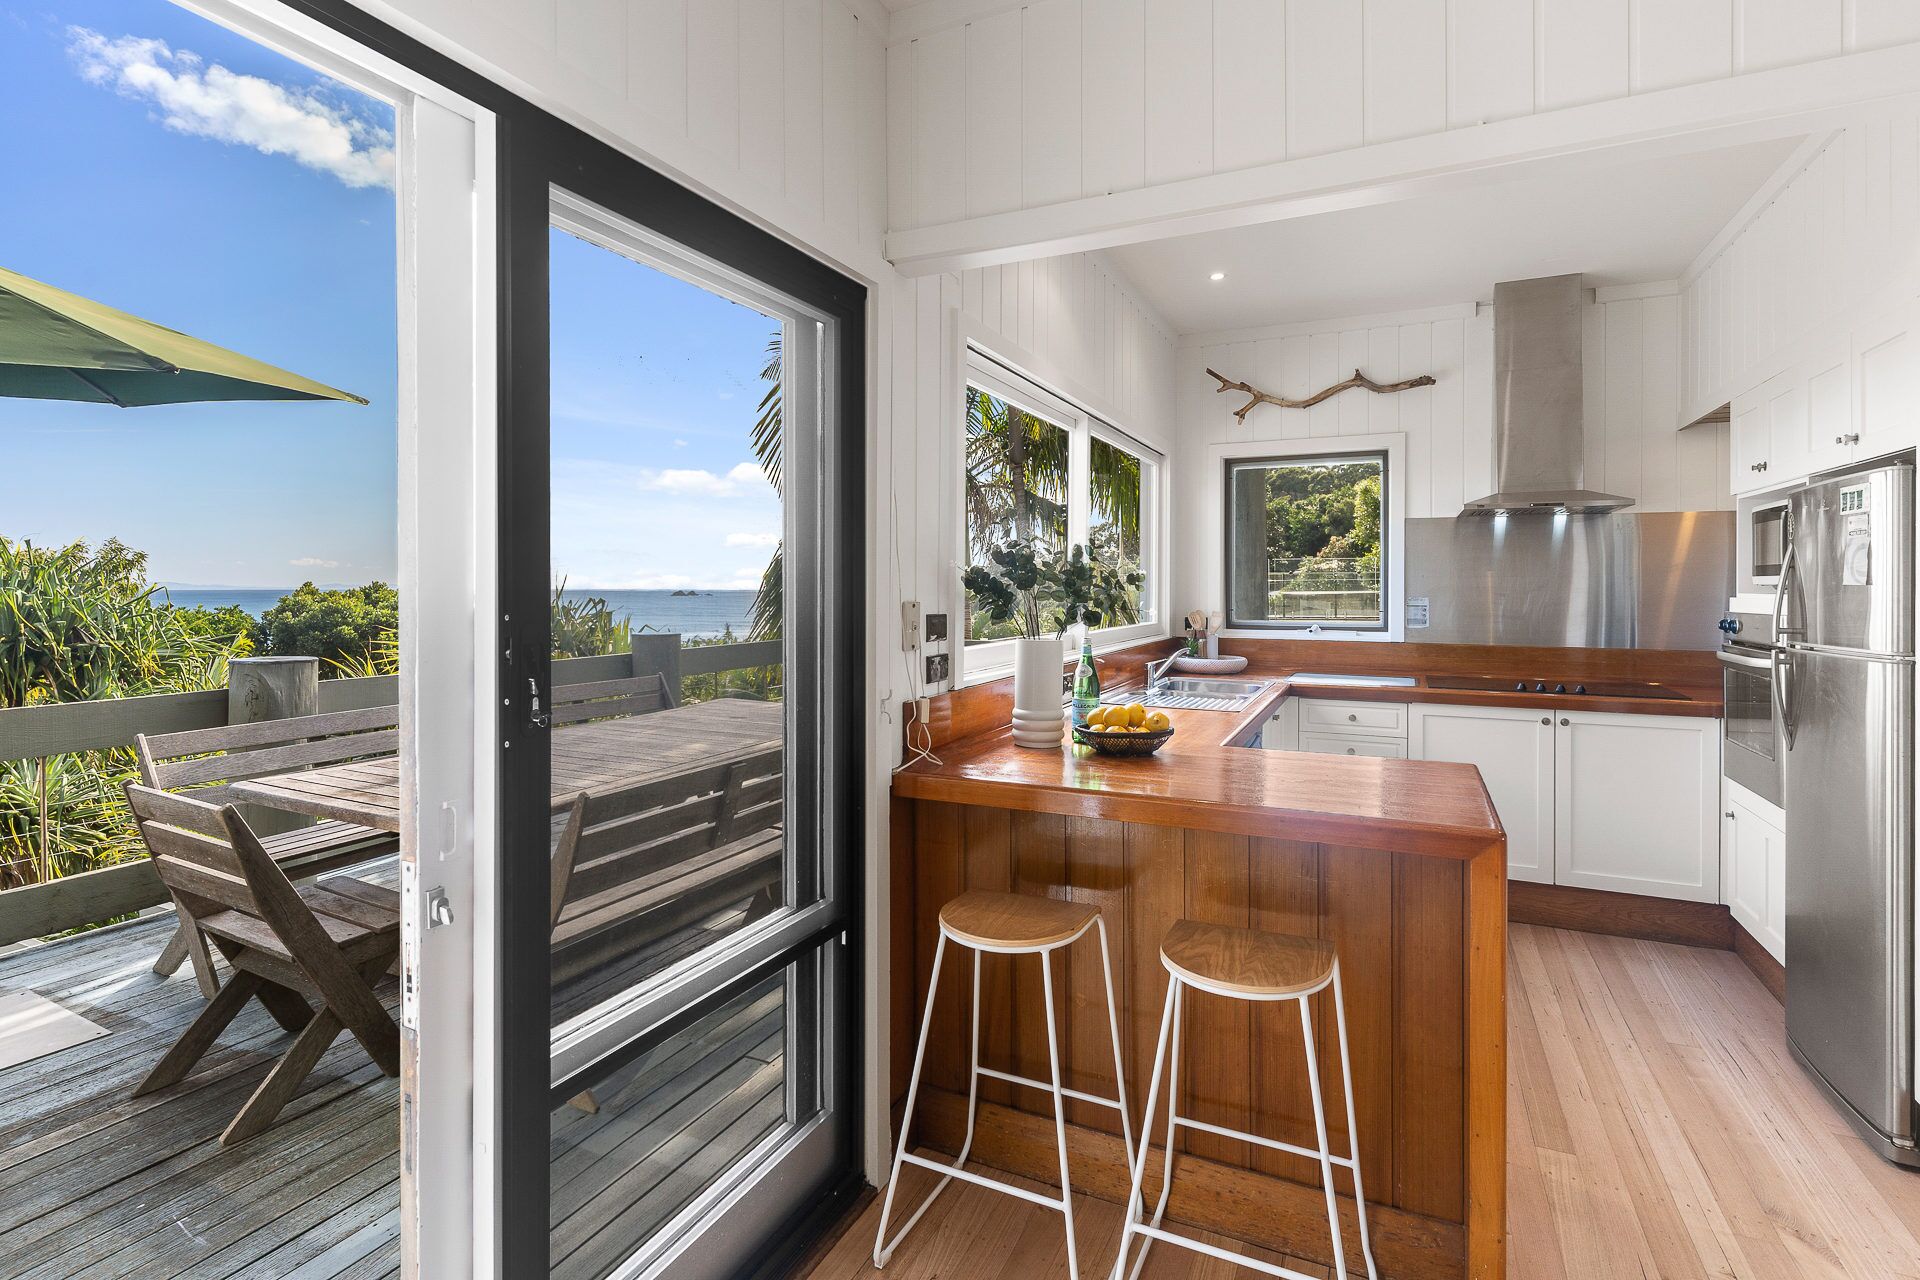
(537, 716)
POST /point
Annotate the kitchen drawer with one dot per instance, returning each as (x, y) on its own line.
(1373, 719)
(1343, 744)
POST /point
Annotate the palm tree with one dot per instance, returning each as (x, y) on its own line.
(769, 606)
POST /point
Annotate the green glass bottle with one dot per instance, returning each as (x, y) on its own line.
(1086, 684)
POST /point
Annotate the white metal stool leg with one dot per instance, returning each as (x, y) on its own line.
(1060, 1112)
(1170, 1036)
(1113, 1025)
(1353, 1129)
(1167, 1056)
(1325, 1153)
(882, 1247)
(1135, 1205)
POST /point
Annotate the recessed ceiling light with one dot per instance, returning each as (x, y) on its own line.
(1218, 275)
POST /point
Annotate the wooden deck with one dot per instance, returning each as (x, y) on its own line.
(95, 1183)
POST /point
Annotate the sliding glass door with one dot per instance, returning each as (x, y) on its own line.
(681, 605)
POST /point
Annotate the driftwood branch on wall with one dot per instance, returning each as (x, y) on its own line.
(1357, 380)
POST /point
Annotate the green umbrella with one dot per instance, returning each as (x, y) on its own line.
(56, 345)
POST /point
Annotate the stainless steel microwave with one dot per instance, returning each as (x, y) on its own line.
(1767, 545)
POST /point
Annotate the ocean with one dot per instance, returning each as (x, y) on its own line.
(707, 614)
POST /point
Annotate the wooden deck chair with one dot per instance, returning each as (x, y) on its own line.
(632, 864)
(329, 941)
(206, 760)
(605, 699)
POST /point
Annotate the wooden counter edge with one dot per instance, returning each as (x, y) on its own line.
(1311, 826)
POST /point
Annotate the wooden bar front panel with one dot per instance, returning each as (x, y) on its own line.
(1399, 921)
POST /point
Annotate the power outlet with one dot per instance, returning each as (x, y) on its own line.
(936, 627)
(909, 625)
(939, 668)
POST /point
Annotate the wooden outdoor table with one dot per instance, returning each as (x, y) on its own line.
(586, 757)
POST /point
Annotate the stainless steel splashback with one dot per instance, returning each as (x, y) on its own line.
(1639, 580)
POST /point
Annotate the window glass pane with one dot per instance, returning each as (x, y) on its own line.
(648, 1137)
(1017, 467)
(1115, 525)
(673, 414)
(1305, 543)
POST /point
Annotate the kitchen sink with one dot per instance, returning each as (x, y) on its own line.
(1194, 693)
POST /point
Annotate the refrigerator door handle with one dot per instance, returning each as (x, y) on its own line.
(1782, 696)
(1787, 566)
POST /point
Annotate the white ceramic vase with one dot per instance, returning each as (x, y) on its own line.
(1037, 693)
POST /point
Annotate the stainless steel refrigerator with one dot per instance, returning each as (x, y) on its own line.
(1845, 699)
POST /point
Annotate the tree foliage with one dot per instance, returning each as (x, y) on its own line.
(340, 626)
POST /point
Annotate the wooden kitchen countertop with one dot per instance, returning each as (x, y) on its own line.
(1203, 780)
(1200, 781)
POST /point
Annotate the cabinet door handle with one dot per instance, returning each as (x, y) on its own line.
(1350, 751)
(1564, 722)
(1839, 439)
(1354, 719)
(1853, 437)
(1546, 719)
(1729, 813)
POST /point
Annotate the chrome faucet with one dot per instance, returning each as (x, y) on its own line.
(1156, 677)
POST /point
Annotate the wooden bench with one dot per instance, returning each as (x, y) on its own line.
(202, 762)
(330, 941)
(604, 699)
(634, 864)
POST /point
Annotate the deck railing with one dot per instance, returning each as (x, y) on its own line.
(56, 902)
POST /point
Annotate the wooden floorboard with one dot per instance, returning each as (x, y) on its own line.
(96, 1184)
(1658, 1127)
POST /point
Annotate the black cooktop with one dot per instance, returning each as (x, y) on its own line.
(1569, 688)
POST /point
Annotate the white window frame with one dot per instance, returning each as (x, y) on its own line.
(1212, 521)
(993, 660)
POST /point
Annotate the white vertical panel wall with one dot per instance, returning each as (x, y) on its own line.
(1175, 89)
(1632, 414)
(1073, 322)
(1842, 233)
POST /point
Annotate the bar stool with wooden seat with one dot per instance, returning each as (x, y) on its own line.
(1007, 924)
(1245, 964)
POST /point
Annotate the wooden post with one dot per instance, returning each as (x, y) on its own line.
(658, 651)
(272, 689)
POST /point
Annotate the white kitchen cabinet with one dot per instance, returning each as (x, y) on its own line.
(1829, 420)
(1372, 719)
(1753, 846)
(1513, 749)
(1787, 443)
(1636, 804)
(1886, 383)
(1752, 432)
(1282, 731)
(1348, 744)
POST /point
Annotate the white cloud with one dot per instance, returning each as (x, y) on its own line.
(314, 562)
(615, 527)
(742, 478)
(753, 539)
(213, 102)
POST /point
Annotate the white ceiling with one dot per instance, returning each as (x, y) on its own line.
(1618, 223)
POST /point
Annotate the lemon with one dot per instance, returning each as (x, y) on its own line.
(1136, 714)
(1096, 717)
(1157, 720)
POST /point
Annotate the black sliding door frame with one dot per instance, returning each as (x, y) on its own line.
(534, 153)
(537, 1072)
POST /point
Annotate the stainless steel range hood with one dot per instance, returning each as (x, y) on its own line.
(1539, 435)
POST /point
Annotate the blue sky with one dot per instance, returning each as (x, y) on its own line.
(163, 165)
(656, 386)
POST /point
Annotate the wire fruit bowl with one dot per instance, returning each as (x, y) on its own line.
(1125, 742)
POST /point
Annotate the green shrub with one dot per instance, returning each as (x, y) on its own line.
(341, 627)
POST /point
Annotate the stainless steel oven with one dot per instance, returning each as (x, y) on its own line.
(1750, 732)
(1766, 543)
